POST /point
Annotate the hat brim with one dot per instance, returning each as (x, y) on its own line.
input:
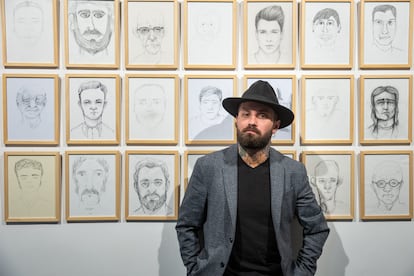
(285, 115)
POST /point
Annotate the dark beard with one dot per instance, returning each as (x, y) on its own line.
(93, 46)
(249, 141)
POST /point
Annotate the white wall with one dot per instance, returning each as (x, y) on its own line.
(354, 248)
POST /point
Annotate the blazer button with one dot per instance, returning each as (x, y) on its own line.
(222, 264)
(231, 240)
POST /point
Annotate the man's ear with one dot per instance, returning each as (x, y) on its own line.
(312, 180)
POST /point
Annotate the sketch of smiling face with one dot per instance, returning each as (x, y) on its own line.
(92, 103)
(28, 22)
(384, 28)
(269, 35)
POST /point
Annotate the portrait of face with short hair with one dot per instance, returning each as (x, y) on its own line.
(92, 185)
(93, 109)
(152, 185)
(91, 33)
(31, 33)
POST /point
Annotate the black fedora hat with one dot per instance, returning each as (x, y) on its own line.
(262, 92)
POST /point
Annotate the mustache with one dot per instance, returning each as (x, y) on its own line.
(92, 32)
(251, 128)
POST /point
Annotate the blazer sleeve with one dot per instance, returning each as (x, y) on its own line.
(315, 228)
(191, 217)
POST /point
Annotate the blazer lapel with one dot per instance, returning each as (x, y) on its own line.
(230, 181)
(277, 175)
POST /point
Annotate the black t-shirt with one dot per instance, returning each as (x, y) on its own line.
(255, 249)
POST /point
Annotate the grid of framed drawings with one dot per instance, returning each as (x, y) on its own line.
(118, 96)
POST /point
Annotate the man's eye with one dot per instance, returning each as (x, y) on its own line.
(84, 13)
(98, 14)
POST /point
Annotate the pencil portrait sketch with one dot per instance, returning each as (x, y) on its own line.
(151, 33)
(31, 109)
(31, 186)
(387, 183)
(209, 34)
(327, 33)
(328, 104)
(92, 105)
(30, 33)
(152, 185)
(152, 114)
(268, 33)
(386, 29)
(331, 179)
(206, 117)
(387, 109)
(92, 185)
(90, 32)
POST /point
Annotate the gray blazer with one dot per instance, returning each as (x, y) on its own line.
(207, 216)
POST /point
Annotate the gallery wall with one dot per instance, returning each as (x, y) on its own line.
(359, 243)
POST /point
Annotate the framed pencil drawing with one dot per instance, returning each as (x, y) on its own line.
(327, 34)
(210, 31)
(285, 89)
(328, 109)
(206, 121)
(151, 34)
(31, 109)
(190, 158)
(331, 175)
(92, 185)
(386, 185)
(30, 33)
(269, 34)
(92, 109)
(385, 34)
(32, 187)
(151, 185)
(92, 34)
(151, 109)
(385, 109)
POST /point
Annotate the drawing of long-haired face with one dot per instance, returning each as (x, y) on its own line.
(90, 176)
(150, 30)
(91, 26)
(31, 101)
(384, 104)
(28, 22)
(151, 181)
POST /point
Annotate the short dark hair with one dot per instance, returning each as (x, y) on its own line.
(271, 13)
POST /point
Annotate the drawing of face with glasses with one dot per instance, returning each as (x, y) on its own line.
(386, 182)
(384, 112)
(31, 101)
(326, 27)
(91, 24)
(150, 30)
(384, 26)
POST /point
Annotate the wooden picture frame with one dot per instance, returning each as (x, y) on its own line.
(148, 173)
(289, 153)
(31, 109)
(385, 109)
(328, 110)
(285, 89)
(93, 117)
(282, 27)
(32, 187)
(157, 20)
(151, 109)
(393, 48)
(92, 185)
(327, 34)
(332, 178)
(92, 34)
(190, 158)
(205, 120)
(210, 32)
(386, 185)
(30, 41)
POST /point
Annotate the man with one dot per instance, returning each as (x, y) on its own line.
(31, 101)
(209, 100)
(326, 181)
(150, 31)
(326, 27)
(384, 113)
(149, 107)
(92, 102)
(238, 209)
(30, 201)
(28, 22)
(384, 27)
(91, 25)
(151, 183)
(387, 180)
(269, 34)
(90, 177)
